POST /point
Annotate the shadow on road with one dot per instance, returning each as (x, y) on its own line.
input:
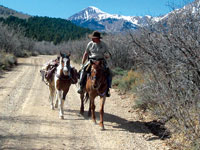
(121, 123)
(132, 126)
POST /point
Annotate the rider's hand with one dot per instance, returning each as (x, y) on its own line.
(82, 66)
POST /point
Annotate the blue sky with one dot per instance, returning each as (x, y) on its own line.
(66, 8)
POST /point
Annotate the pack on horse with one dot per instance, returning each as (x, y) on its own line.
(48, 73)
(96, 85)
(64, 77)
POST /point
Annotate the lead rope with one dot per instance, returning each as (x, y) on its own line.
(43, 78)
(46, 83)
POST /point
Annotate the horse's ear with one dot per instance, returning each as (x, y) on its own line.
(69, 54)
(61, 54)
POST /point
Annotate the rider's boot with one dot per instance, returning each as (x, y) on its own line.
(81, 82)
(108, 93)
(109, 82)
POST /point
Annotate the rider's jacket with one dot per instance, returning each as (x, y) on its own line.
(97, 50)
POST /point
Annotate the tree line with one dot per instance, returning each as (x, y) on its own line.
(54, 30)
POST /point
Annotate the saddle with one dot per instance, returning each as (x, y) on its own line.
(49, 73)
(50, 70)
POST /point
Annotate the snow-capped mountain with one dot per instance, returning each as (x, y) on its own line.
(96, 19)
(183, 15)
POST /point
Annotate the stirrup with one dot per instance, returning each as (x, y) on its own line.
(108, 93)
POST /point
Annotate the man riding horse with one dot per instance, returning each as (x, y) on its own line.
(95, 50)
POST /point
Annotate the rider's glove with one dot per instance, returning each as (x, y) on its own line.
(82, 66)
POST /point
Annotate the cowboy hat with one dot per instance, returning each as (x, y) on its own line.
(95, 34)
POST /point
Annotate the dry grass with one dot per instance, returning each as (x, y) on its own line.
(127, 81)
(7, 61)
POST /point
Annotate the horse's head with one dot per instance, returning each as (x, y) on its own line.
(65, 63)
(97, 73)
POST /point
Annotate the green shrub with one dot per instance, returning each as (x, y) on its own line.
(35, 53)
(22, 53)
(119, 72)
(12, 60)
(7, 61)
(196, 145)
(127, 80)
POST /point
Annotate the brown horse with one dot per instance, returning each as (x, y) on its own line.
(96, 85)
(63, 81)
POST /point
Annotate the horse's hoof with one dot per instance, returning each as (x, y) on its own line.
(82, 112)
(94, 122)
(89, 114)
(62, 117)
(102, 128)
(52, 107)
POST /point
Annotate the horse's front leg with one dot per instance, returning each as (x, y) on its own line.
(102, 102)
(51, 96)
(93, 110)
(56, 104)
(82, 103)
(60, 101)
(89, 110)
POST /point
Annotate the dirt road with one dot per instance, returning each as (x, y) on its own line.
(27, 122)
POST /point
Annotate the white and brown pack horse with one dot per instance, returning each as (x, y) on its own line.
(46, 69)
(63, 80)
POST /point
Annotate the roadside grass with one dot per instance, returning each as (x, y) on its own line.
(26, 53)
(7, 61)
(127, 80)
(182, 119)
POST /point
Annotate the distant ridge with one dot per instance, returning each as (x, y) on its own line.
(6, 12)
(96, 19)
(54, 30)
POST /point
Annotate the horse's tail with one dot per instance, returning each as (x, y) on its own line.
(86, 98)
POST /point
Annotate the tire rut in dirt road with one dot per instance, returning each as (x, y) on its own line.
(15, 91)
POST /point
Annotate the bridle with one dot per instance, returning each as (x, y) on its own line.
(65, 63)
(93, 77)
(64, 66)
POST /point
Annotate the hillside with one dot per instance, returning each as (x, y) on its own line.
(6, 12)
(54, 30)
